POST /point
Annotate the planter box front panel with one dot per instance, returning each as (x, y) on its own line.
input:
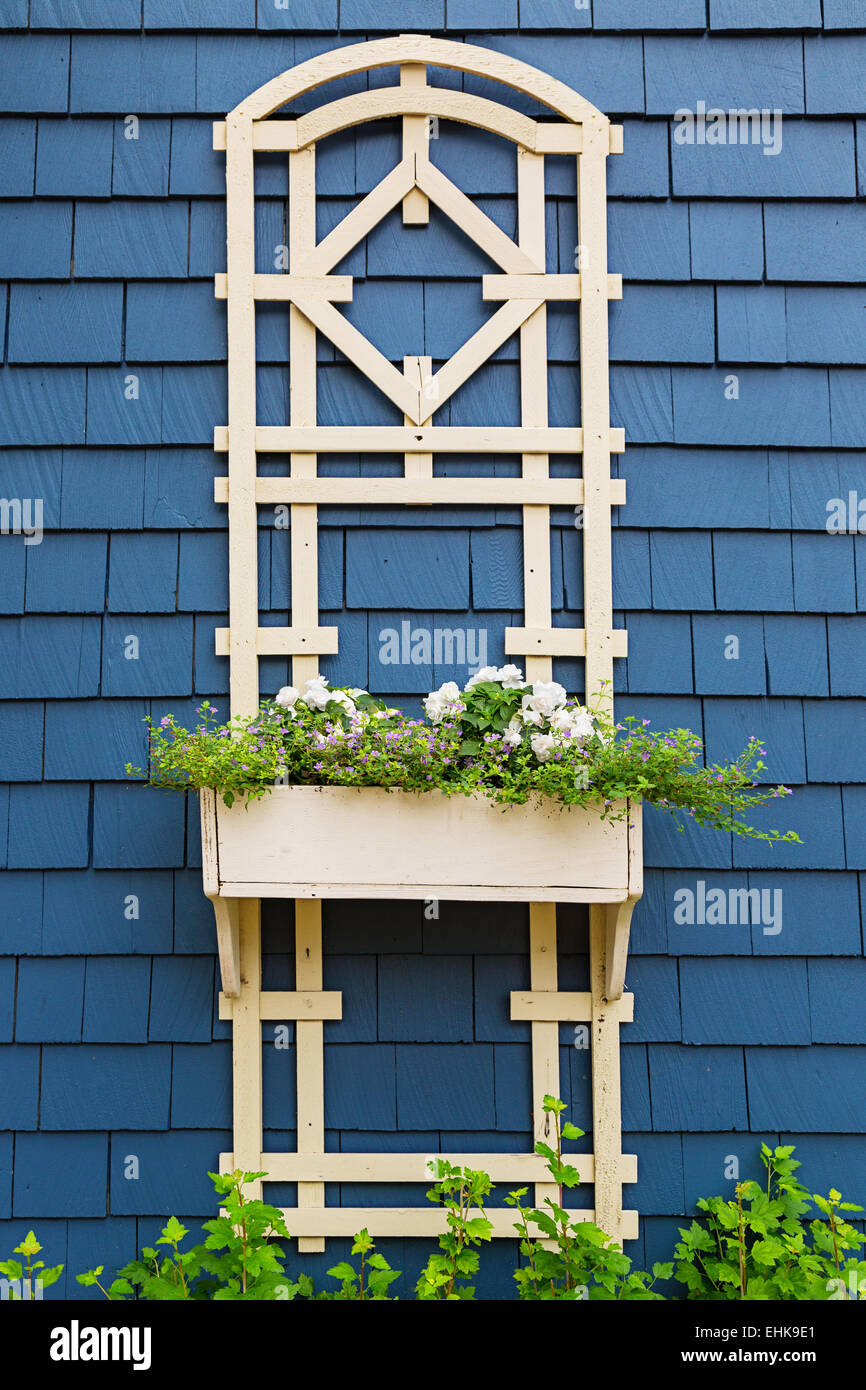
(348, 841)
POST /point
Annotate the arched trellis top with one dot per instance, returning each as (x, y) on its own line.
(540, 137)
(417, 48)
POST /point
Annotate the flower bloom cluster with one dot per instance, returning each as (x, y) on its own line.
(544, 713)
(501, 736)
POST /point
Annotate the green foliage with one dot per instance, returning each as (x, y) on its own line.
(237, 1261)
(583, 1262)
(765, 1243)
(24, 1276)
(369, 1283)
(760, 1244)
(461, 1191)
(507, 741)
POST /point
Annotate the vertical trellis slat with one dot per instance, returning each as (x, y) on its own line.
(533, 409)
(416, 207)
(303, 538)
(241, 315)
(595, 410)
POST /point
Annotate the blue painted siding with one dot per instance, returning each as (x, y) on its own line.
(738, 353)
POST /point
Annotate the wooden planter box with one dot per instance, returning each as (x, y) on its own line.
(368, 842)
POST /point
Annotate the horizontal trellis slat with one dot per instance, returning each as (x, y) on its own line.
(417, 892)
(285, 641)
(408, 439)
(487, 492)
(400, 1167)
(417, 1221)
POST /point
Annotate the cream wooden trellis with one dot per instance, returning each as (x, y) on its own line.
(522, 287)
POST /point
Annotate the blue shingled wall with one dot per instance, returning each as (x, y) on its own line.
(736, 265)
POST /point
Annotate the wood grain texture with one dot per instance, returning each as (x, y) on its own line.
(400, 1167)
(618, 918)
(415, 1221)
(311, 1058)
(595, 409)
(559, 641)
(418, 468)
(282, 1005)
(544, 979)
(537, 594)
(418, 892)
(304, 537)
(416, 136)
(420, 48)
(285, 134)
(227, 912)
(419, 487)
(247, 1046)
(399, 439)
(209, 847)
(241, 316)
(285, 641)
(312, 834)
(336, 288)
(415, 103)
(565, 1007)
(606, 1087)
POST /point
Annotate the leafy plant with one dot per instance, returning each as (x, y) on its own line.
(20, 1275)
(501, 737)
(759, 1245)
(583, 1263)
(369, 1283)
(764, 1243)
(462, 1192)
(237, 1261)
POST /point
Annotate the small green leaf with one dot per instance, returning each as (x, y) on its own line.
(29, 1246)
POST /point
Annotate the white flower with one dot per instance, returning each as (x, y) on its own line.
(513, 734)
(443, 701)
(287, 697)
(577, 722)
(487, 673)
(512, 677)
(339, 697)
(560, 719)
(543, 746)
(316, 693)
(509, 677)
(545, 698)
(584, 726)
